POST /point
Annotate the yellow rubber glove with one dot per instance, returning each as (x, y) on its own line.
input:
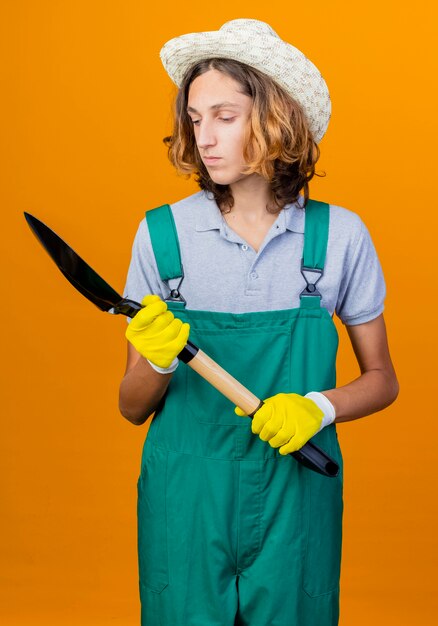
(286, 419)
(156, 333)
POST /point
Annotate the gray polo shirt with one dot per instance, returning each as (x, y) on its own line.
(224, 273)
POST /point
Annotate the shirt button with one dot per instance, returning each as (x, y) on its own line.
(244, 246)
(254, 275)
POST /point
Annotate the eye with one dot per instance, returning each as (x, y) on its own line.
(223, 119)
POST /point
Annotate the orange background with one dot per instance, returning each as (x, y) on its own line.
(85, 105)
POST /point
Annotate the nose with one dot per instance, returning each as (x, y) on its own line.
(205, 135)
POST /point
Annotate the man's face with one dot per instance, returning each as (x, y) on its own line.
(219, 113)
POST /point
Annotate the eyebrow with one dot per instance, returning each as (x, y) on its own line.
(220, 105)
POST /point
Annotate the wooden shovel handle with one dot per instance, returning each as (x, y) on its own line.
(220, 379)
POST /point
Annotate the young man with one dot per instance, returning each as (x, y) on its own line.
(232, 530)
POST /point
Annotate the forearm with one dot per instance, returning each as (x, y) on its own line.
(140, 391)
(373, 391)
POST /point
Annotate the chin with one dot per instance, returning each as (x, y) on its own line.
(224, 179)
(220, 180)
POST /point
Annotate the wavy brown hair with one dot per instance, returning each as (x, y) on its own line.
(278, 143)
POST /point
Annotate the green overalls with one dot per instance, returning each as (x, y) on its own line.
(230, 532)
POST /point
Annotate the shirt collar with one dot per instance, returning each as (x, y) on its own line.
(291, 217)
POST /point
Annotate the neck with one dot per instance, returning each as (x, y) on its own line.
(251, 196)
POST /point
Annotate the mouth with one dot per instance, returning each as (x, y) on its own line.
(211, 160)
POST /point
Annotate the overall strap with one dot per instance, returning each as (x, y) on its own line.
(165, 244)
(317, 215)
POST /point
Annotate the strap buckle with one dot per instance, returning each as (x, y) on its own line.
(175, 294)
(310, 288)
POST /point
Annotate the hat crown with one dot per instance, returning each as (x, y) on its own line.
(256, 26)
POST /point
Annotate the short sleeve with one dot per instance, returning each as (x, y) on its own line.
(143, 277)
(362, 290)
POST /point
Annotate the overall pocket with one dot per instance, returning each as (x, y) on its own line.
(152, 521)
(255, 358)
(323, 509)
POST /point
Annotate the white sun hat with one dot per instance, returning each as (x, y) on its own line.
(256, 44)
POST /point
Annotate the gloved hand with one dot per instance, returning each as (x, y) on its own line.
(286, 419)
(156, 333)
